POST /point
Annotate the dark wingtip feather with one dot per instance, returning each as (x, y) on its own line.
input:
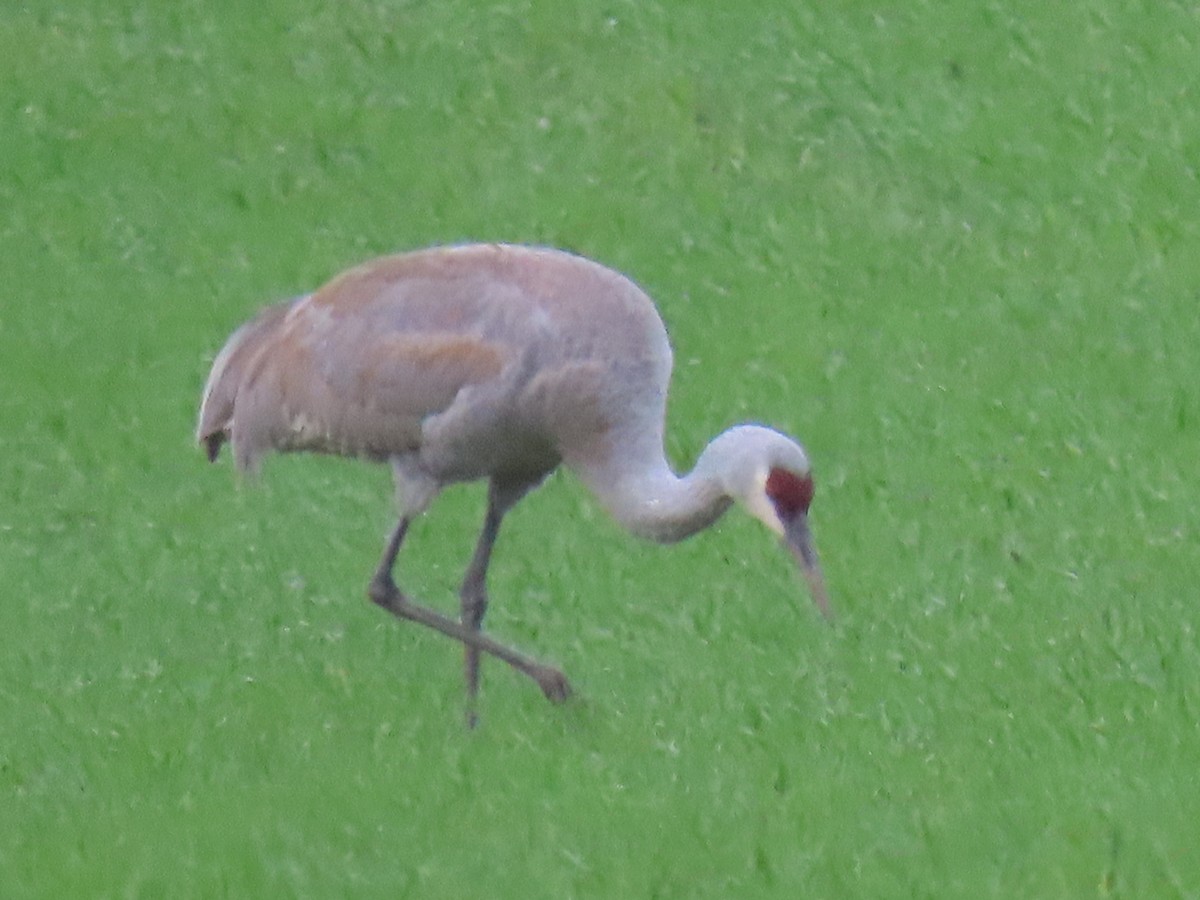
(212, 445)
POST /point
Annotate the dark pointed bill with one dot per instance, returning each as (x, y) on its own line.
(799, 541)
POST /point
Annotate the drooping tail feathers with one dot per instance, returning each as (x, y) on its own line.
(228, 372)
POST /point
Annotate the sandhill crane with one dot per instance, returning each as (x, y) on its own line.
(499, 362)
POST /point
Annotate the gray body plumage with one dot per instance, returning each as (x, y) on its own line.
(455, 364)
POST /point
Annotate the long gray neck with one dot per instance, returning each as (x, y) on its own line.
(653, 502)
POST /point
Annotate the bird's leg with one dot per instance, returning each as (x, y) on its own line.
(473, 595)
(383, 592)
(383, 575)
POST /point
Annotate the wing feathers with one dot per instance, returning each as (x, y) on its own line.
(291, 379)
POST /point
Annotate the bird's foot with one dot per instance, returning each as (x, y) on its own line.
(383, 591)
(553, 683)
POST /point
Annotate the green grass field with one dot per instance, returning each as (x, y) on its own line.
(952, 247)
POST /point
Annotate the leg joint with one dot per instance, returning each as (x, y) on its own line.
(382, 590)
(474, 605)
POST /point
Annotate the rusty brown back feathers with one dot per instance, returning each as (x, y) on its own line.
(477, 360)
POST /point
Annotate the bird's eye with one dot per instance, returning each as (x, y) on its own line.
(792, 494)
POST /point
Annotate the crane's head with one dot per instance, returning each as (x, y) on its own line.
(789, 494)
(768, 474)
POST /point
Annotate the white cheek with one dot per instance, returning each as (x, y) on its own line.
(756, 502)
(763, 510)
